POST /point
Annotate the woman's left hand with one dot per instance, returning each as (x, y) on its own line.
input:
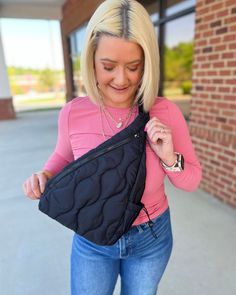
(160, 140)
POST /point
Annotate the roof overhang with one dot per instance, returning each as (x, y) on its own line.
(31, 9)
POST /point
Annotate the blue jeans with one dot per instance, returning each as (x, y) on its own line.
(137, 256)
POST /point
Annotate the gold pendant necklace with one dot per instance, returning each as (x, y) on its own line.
(120, 123)
(102, 111)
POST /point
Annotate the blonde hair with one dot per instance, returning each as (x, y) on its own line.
(126, 19)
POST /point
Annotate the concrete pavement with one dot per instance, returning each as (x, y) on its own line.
(35, 250)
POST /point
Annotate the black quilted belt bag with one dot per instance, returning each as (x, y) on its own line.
(99, 195)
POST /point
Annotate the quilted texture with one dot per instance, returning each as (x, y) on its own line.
(99, 195)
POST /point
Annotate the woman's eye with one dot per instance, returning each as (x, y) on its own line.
(108, 69)
(133, 69)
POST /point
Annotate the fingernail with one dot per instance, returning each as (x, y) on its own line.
(145, 129)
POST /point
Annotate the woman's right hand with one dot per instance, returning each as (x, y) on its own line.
(34, 186)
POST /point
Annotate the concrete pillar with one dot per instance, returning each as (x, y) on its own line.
(6, 103)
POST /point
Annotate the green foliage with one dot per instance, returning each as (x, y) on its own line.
(178, 62)
(186, 87)
(27, 71)
(76, 64)
(47, 80)
(41, 80)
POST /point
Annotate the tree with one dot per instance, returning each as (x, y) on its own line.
(178, 62)
(47, 80)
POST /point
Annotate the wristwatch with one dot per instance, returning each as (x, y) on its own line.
(177, 166)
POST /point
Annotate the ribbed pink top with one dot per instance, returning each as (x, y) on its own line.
(80, 129)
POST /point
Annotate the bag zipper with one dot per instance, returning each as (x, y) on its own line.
(75, 166)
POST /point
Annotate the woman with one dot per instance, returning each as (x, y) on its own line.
(120, 67)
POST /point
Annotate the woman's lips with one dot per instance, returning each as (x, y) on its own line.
(119, 89)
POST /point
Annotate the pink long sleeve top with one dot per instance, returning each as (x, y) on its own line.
(82, 125)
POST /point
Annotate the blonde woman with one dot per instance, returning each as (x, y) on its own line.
(120, 69)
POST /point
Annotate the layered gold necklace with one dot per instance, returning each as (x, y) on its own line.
(118, 124)
(121, 121)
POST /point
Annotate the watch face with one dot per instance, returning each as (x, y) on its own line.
(179, 165)
(182, 162)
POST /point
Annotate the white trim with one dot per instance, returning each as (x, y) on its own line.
(31, 11)
(4, 83)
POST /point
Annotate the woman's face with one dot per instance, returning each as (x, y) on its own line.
(118, 69)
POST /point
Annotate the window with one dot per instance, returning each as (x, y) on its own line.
(174, 6)
(76, 45)
(178, 52)
(174, 23)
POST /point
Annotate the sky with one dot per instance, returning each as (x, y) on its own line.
(32, 43)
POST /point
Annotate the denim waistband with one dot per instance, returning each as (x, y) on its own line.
(142, 226)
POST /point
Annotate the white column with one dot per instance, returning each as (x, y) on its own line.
(6, 105)
(4, 83)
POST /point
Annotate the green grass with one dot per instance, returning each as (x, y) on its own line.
(175, 93)
(42, 100)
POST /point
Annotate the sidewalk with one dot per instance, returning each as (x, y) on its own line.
(35, 250)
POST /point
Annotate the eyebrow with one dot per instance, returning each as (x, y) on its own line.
(113, 61)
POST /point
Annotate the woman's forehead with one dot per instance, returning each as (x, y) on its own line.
(110, 47)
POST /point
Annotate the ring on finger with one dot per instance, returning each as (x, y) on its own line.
(162, 130)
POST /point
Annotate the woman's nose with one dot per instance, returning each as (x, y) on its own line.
(120, 78)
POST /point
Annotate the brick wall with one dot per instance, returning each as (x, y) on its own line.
(213, 106)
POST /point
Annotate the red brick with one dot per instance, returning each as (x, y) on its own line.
(230, 81)
(220, 48)
(209, 1)
(233, 122)
(230, 20)
(228, 55)
(228, 128)
(233, 10)
(217, 81)
(205, 65)
(202, 11)
(225, 73)
(210, 88)
(216, 40)
(228, 113)
(222, 31)
(201, 43)
(218, 64)
(232, 28)
(222, 13)
(231, 154)
(229, 97)
(208, 34)
(224, 89)
(231, 64)
(225, 180)
(229, 3)
(215, 24)
(229, 38)
(212, 73)
(208, 18)
(232, 46)
(213, 56)
(201, 58)
(197, 36)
